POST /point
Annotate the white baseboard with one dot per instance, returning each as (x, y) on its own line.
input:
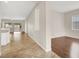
(40, 45)
(46, 50)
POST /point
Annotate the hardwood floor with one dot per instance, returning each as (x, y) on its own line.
(22, 46)
(67, 47)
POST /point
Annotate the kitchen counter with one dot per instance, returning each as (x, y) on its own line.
(3, 30)
(4, 36)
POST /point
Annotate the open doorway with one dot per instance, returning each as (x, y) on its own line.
(14, 25)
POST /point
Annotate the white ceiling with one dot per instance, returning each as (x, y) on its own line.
(16, 9)
(64, 6)
(21, 9)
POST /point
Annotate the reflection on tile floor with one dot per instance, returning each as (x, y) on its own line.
(22, 46)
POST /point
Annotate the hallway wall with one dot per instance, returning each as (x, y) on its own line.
(51, 24)
(37, 25)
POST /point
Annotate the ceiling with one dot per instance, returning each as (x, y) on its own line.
(21, 9)
(16, 9)
(64, 6)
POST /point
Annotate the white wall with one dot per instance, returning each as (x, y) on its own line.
(39, 35)
(58, 24)
(68, 24)
(51, 24)
(0, 23)
(54, 24)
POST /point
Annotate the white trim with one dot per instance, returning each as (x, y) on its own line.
(46, 50)
(13, 18)
(73, 36)
(40, 45)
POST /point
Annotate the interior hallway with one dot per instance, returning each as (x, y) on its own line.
(23, 46)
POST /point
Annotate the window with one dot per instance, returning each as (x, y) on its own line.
(75, 22)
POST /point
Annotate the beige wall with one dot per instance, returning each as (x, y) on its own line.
(68, 24)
